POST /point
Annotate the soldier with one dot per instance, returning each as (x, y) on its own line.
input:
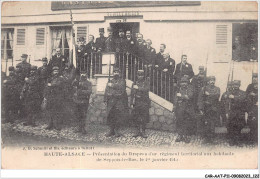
(43, 75)
(68, 75)
(53, 98)
(120, 42)
(252, 108)
(19, 85)
(184, 110)
(109, 42)
(25, 66)
(208, 106)
(235, 112)
(31, 95)
(140, 103)
(10, 96)
(224, 101)
(100, 41)
(183, 69)
(81, 52)
(116, 100)
(198, 81)
(82, 91)
(58, 60)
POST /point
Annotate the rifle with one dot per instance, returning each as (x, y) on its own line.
(232, 74)
(205, 84)
(73, 41)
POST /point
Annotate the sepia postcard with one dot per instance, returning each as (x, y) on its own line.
(129, 85)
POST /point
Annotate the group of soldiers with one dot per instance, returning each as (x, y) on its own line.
(27, 90)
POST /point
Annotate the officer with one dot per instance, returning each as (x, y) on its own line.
(82, 91)
(252, 108)
(25, 66)
(225, 101)
(53, 98)
(235, 113)
(208, 103)
(198, 81)
(10, 96)
(58, 60)
(31, 95)
(184, 110)
(117, 105)
(183, 69)
(140, 103)
(100, 41)
(43, 75)
(81, 53)
(166, 70)
(19, 85)
(68, 75)
(109, 42)
(120, 42)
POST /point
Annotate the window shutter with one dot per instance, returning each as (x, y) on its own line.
(20, 36)
(40, 34)
(81, 32)
(221, 34)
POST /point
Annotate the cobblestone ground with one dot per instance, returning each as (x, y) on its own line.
(96, 134)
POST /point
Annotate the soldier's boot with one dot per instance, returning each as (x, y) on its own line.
(111, 132)
(139, 132)
(143, 131)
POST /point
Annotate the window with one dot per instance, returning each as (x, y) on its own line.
(81, 32)
(20, 36)
(221, 34)
(244, 42)
(40, 34)
(61, 38)
(7, 44)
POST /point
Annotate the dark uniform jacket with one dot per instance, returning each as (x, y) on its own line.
(252, 100)
(100, 44)
(182, 70)
(81, 50)
(43, 75)
(209, 102)
(168, 64)
(182, 103)
(10, 92)
(82, 90)
(140, 48)
(149, 55)
(109, 45)
(120, 44)
(25, 68)
(57, 61)
(159, 58)
(91, 47)
(130, 46)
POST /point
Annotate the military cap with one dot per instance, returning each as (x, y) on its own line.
(255, 75)
(55, 68)
(140, 72)
(44, 59)
(109, 29)
(81, 39)
(211, 78)
(121, 30)
(33, 68)
(101, 30)
(24, 55)
(201, 67)
(11, 68)
(116, 69)
(236, 82)
(184, 79)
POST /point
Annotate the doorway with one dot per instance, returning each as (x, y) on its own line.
(134, 27)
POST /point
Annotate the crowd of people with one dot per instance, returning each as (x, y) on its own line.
(198, 104)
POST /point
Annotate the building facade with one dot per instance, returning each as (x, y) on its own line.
(217, 31)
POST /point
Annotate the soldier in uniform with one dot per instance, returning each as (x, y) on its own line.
(117, 105)
(58, 60)
(235, 113)
(140, 103)
(184, 110)
(10, 96)
(183, 69)
(100, 41)
(31, 95)
(109, 42)
(198, 81)
(68, 75)
(252, 108)
(82, 91)
(224, 101)
(25, 66)
(208, 106)
(53, 98)
(43, 75)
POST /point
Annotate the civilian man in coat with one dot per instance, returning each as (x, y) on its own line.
(25, 66)
(90, 49)
(81, 53)
(130, 52)
(140, 103)
(58, 60)
(100, 41)
(183, 69)
(82, 91)
(110, 41)
(117, 105)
